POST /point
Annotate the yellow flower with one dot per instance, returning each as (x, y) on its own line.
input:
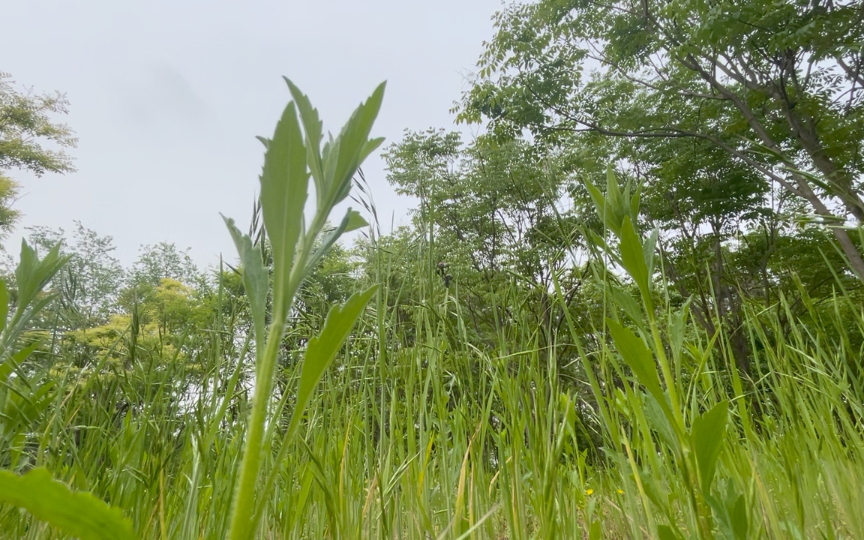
(589, 491)
(620, 492)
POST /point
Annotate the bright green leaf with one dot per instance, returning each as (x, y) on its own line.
(284, 188)
(355, 221)
(708, 432)
(313, 127)
(351, 145)
(648, 251)
(638, 357)
(4, 304)
(633, 259)
(255, 280)
(665, 532)
(322, 348)
(596, 531)
(738, 516)
(78, 514)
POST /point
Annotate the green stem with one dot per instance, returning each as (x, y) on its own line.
(242, 526)
(244, 517)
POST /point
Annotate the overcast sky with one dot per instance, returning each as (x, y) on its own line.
(167, 97)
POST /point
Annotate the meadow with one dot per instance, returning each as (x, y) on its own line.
(390, 419)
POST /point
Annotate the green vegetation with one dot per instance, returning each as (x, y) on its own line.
(635, 321)
(25, 122)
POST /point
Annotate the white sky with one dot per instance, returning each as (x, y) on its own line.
(167, 97)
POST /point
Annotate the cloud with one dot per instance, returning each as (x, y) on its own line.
(160, 97)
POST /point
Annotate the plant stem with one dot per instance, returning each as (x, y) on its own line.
(242, 527)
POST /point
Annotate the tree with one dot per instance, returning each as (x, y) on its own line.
(25, 125)
(487, 214)
(777, 86)
(163, 260)
(90, 283)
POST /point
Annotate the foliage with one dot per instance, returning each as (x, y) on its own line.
(292, 157)
(25, 125)
(775, 86)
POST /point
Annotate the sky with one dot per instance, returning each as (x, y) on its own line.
(166, 98)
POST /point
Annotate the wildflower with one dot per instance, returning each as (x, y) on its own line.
(589, 491)
(620, 492)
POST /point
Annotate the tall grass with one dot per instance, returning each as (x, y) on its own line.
(421, 434)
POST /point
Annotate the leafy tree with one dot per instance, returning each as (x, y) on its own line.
(775, 85)
(163, 260)
(25, 126)
(487, 216)
(90, 283)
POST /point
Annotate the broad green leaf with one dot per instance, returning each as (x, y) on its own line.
(33, 274)
(597, 196)
(665, 532)
(313, 128)
(738, 517)
(352, 143)
(322, 348)
(255, 280)
(648, 251)
(677, 326)
(708, 432)
(4, 304)
(633, 259)
(328, 241)
(605, 208)
(78, 514)
(596, 530)
(615, 203)
(284, 188)
(634, 203)
(659, 420)
(370, 147)
(15, 360)
(638, 357)
(625, 301)
(355, 221)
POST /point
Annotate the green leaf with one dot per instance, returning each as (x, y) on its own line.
(328, 241)
(597, 196)
(322, 349)
(353, 144)
(738, 517)
(255, 281)
(625, 301)
(32, 274)
(616, 206)
(284, 188)
(648, 251)
(313, 128)
(638, 357)
(633, 259)
(604, 208)
(677, 326)
(15, 360)
(78, 514)
(355, 221)
(659, 421)
(665, 532)
(707, 434)
(596, 531)
(634, 203)
(4, 304)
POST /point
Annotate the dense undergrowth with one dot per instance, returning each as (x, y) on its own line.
(632, 424)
